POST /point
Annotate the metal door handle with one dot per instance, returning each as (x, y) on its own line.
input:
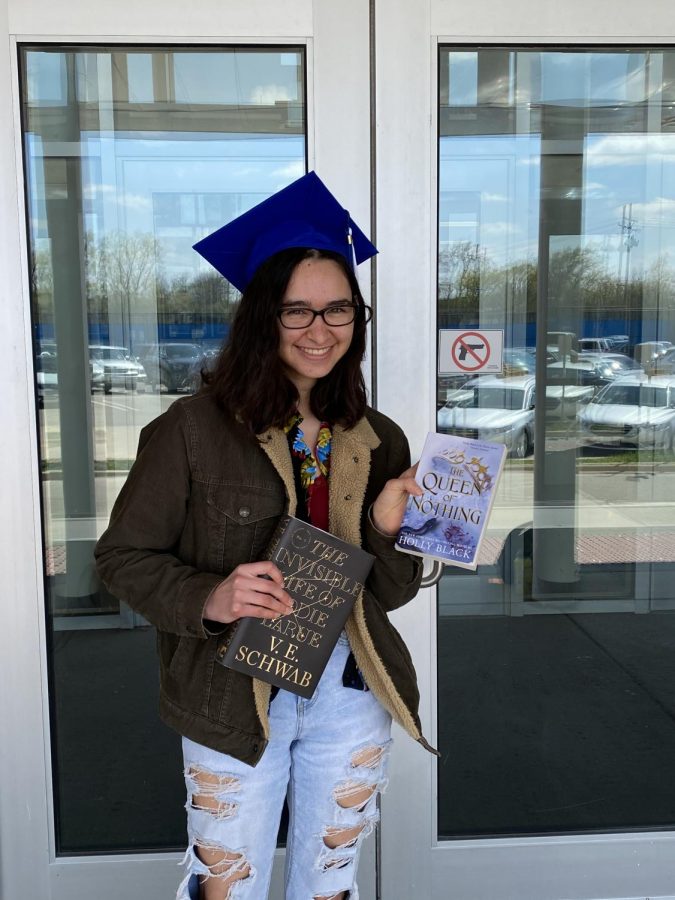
(433, 575)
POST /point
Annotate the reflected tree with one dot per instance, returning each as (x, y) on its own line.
(121, 271)
(582, 287)
(459, 280)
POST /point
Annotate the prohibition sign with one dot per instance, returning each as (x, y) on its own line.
(470, 351)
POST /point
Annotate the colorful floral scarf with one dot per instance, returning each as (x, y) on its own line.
(312, 468)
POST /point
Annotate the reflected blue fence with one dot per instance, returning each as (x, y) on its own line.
(116, 334)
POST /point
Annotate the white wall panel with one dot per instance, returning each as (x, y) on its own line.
(603, 20)
(406, 380)
(171, 18)
(406, 229)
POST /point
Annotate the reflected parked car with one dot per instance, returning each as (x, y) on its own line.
(650, 351)
(619, 362)
(595, 344)
(46, 376)
(170, 364)
(519, 361)
(619, 343)
(46, 347)
(119, 368)
(611, 343)
(530, 354)
(205, 363)
(516, 361)
(636, 411)
(565, 399)
(664, 365)
(493, 409)
(589, 370)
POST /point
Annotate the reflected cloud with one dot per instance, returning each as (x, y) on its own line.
(269, 94)
(657, 212)
(497, 229)
(127, 200)
(291, 171)
(630, 149)
(596, 190)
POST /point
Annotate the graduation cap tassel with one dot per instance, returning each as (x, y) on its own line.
(350, 241)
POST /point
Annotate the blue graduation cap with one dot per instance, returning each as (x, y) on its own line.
(304, 214)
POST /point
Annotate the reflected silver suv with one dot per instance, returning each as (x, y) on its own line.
(115, 368)
(493, 409)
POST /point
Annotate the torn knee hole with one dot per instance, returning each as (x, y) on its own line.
(339, 896)
(339, 862)
(343, 838)
(213, 782)
(223, 863)
(370, 757)
(209, 788)
(353, 795)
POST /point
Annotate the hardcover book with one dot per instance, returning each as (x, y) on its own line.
(459, 477)
(324, 576)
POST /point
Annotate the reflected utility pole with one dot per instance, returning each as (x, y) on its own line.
(629, 239)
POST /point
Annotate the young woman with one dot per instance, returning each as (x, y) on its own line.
(281, 426)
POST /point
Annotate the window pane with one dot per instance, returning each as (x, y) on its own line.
(131, 157)
(556, 170)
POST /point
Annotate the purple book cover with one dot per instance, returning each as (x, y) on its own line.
(459, 477)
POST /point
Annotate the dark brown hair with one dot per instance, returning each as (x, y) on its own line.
(249, 380)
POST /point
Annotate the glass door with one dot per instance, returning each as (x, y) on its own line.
(549, 692)
(131, 153)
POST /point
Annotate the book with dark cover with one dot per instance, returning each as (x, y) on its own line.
(324, 576)
(459, 477)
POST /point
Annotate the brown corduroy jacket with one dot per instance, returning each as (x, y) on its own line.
(203, 497)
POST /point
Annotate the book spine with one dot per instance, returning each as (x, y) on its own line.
(275, 540)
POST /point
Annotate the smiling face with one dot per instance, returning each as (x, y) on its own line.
(308, 354)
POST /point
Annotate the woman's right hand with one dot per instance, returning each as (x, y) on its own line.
(245, 593)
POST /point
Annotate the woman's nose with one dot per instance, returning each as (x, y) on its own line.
(318, 328)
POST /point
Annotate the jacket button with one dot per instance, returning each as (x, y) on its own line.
(255, 748)
(348, 497)
(245, 512)
(356, 459)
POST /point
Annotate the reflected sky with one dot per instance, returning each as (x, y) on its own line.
(176, 188)
(489, 177)
(175, 178)
(489, 194)
(242, 76)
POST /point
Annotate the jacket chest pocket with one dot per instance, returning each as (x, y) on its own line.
(241, 520)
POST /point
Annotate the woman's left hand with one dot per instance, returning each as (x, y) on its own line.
(388, 509)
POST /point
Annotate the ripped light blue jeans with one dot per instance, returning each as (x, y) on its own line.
(328, 755)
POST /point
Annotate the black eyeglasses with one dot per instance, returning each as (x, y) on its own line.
(336, 316)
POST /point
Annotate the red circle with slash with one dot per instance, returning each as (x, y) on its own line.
(473, 359)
